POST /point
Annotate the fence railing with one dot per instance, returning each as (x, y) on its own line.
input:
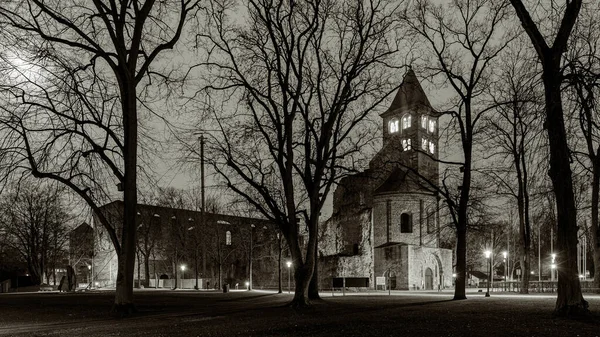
(534, 286)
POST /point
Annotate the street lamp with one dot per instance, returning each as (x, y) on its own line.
(289, 264)
(552, 266)
(183, 274)
(488, 255)
(250, 262)
(505, 254)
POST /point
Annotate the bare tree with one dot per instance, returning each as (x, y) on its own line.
(583, 65)
(297, 78)
(570, 299)
(513, 135)
(463, 39)
(36, 224)
(77, 121)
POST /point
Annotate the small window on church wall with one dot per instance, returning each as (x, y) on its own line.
(424, 144)
(406, 144)
(431, 147)
(431, 126)
(406, 223)
(406, 122)
(424, 121)
(394, 127)
(228, 238)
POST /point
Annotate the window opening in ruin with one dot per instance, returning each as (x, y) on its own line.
(406, 223)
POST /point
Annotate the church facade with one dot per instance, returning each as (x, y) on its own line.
(385, 223)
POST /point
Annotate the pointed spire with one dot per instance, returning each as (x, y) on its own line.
(410, 94)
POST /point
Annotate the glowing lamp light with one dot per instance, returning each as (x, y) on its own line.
(454, 275)
(183, 268)
(553, 266)
(247, 283)
(289, 264)
(505, 254)
(487, 254)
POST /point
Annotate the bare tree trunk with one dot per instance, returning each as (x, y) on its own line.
(570, 299)
(461, 225)
(147, 271)
(279, 238)
(126, 258)
(594, 226)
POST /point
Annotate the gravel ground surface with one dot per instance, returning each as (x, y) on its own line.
(258, 313)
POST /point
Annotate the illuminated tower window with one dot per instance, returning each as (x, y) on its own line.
(431, 147)
(424, 121)
(394, 127)
(228, 238)
(431, 126)
(406, 144)
(406, 122)
(424, 144)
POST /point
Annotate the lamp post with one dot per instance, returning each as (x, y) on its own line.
(250, 262)
(289, 264)
(505, 254)
(552, 266)
(488, 256)
(182, 274)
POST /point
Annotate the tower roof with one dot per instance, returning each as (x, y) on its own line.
(410, 94)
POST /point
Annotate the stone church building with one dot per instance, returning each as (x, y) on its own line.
(385, 220)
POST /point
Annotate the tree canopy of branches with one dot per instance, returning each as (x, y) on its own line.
(583, 79)
(514, 141)
(463, 39)
(570, 299)
(36, 223)
(300, 76)
(74, 119)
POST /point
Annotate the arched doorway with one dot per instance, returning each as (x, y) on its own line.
(428, 279)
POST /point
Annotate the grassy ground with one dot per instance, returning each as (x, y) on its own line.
(181, 313)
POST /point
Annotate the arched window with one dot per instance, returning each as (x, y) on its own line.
(406, 122)
(406, 223)
(394, 125)
(228, 238)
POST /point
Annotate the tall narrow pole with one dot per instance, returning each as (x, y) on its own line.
(539, 254)
(202, 210)
(585, 257)
(250, 258)
(93, 251)
(508, 253)
(552, 251)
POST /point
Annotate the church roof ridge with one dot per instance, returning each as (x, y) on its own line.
(409, 94)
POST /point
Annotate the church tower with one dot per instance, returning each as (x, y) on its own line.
(412, 124)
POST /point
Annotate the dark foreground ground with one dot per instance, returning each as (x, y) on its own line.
(242, 313)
